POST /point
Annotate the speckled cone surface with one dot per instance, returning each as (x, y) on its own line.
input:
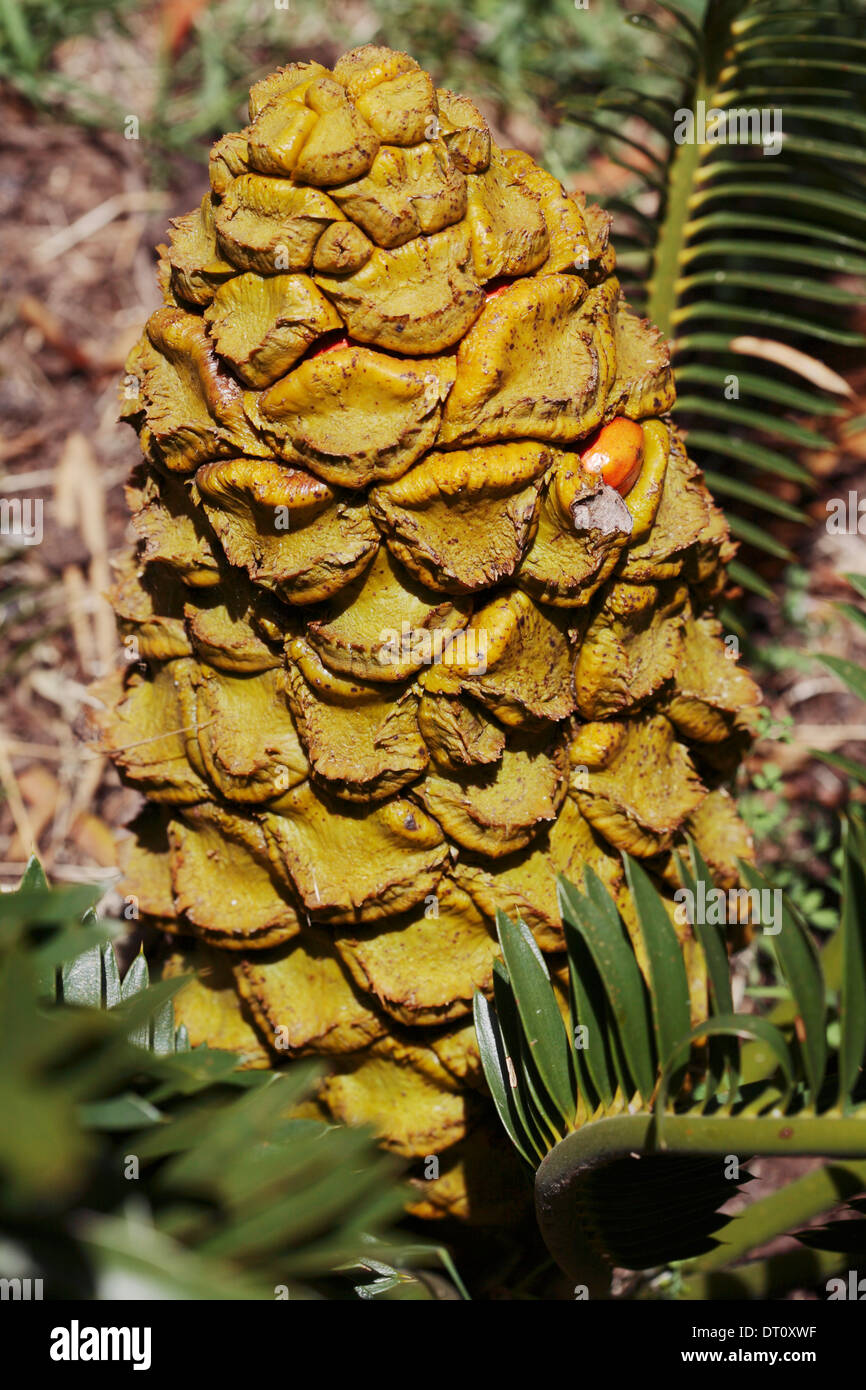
(397, 655)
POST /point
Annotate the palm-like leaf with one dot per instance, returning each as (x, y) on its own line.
(737, 254)
(235, 1195)
(641, 1174)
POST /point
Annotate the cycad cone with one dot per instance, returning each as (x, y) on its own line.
(397, 654)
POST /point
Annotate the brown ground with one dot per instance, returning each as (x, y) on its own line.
(75, 297)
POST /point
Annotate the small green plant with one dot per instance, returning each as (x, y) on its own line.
(127, 1159)
(624, 1107)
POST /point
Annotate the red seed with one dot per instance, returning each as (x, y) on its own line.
(616, 452)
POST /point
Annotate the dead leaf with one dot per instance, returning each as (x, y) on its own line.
(79, 504)
(796, 361)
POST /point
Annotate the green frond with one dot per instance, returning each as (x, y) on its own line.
(235, 1197)
(725, 485)
(749, 240)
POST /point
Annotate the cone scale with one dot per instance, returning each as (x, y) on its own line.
(421, 612)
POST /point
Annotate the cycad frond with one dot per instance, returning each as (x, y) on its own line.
(631, 1116)
(237, 1195)
(740, 252)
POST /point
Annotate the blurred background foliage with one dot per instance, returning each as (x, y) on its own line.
(520, 56)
